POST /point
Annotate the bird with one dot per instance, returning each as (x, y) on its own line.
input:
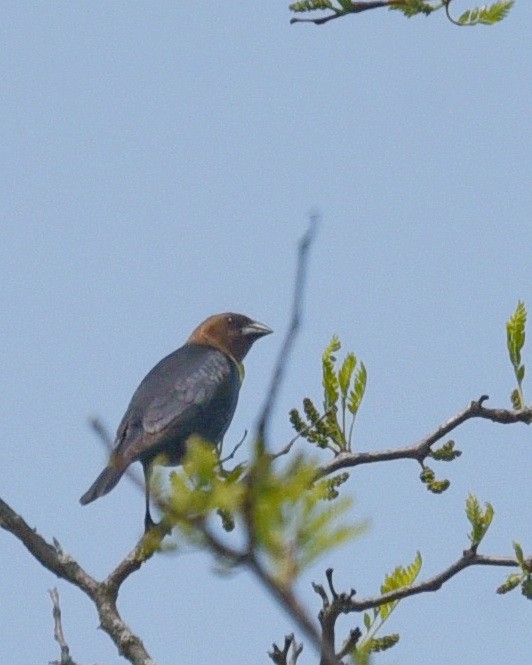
(192, 392)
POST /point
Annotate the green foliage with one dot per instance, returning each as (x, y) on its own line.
(486, 15)
(343, 391)
(330, 380)
(293, 523)
(310, 5)
(332, 484)
(290, 517)
(228, 520)
(402, 577)
(446, 453)
(200, 488)
(414, 7)
(526, 587)
(512, 581)
(523, 578)
(515, 337)
(428, 477)
(382, 643)
(480, 519)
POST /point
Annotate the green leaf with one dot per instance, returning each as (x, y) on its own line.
(446, 453)
(310, 5)
(515, 332)
(293, 523)
(486, 15)
(519, 553)
(526, 587)
(332, 484)
(382, 643)
(480, 519)
(367, 620)
(345, 5)
(359, 388)
(199, 488)
(345, 373)
(330, 380)
(512, 581)
(401, 577)
(515, 338)
(414, 7)
(516, 400)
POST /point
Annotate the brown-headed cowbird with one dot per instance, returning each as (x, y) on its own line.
(193, 391)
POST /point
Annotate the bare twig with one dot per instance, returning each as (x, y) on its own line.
(332, 608)
(282, 360)
(101, 431)
(232, 453)
(350, 643)
(289, 654)
(66, 659)
(420, 450)
(286, 598)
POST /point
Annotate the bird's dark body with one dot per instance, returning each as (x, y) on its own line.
(194, 390)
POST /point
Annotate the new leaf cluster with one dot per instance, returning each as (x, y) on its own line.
(343, 391)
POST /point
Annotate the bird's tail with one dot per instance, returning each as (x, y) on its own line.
(105, 482)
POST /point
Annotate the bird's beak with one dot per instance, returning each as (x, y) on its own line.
(256, 329)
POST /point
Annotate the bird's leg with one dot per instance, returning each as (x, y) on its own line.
(148, 521)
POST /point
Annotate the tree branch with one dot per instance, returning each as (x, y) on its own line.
(284, 657)
(468, 558)
(420, 450)
(64, 566)
(356, 8)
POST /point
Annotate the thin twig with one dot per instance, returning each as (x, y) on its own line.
(289, 654)
(419, 451)
(286, 349)
(468, 558)
(332, 608)
(290, 603)
(101, 431)
(232, 453)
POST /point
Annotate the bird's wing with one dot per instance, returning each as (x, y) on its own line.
(195, 384)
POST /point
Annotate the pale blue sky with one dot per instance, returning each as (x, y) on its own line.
(158, 164)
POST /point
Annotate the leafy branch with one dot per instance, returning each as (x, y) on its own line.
(484, 15)
(401, 583)
(401, 578)
(290, 515)
(523, 578)
(343, 391)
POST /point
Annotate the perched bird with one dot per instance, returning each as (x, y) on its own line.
(193, 391)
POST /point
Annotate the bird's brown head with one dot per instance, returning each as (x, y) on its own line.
(233, 334)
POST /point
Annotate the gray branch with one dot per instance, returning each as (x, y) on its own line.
(103, 594)
(420, 450)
